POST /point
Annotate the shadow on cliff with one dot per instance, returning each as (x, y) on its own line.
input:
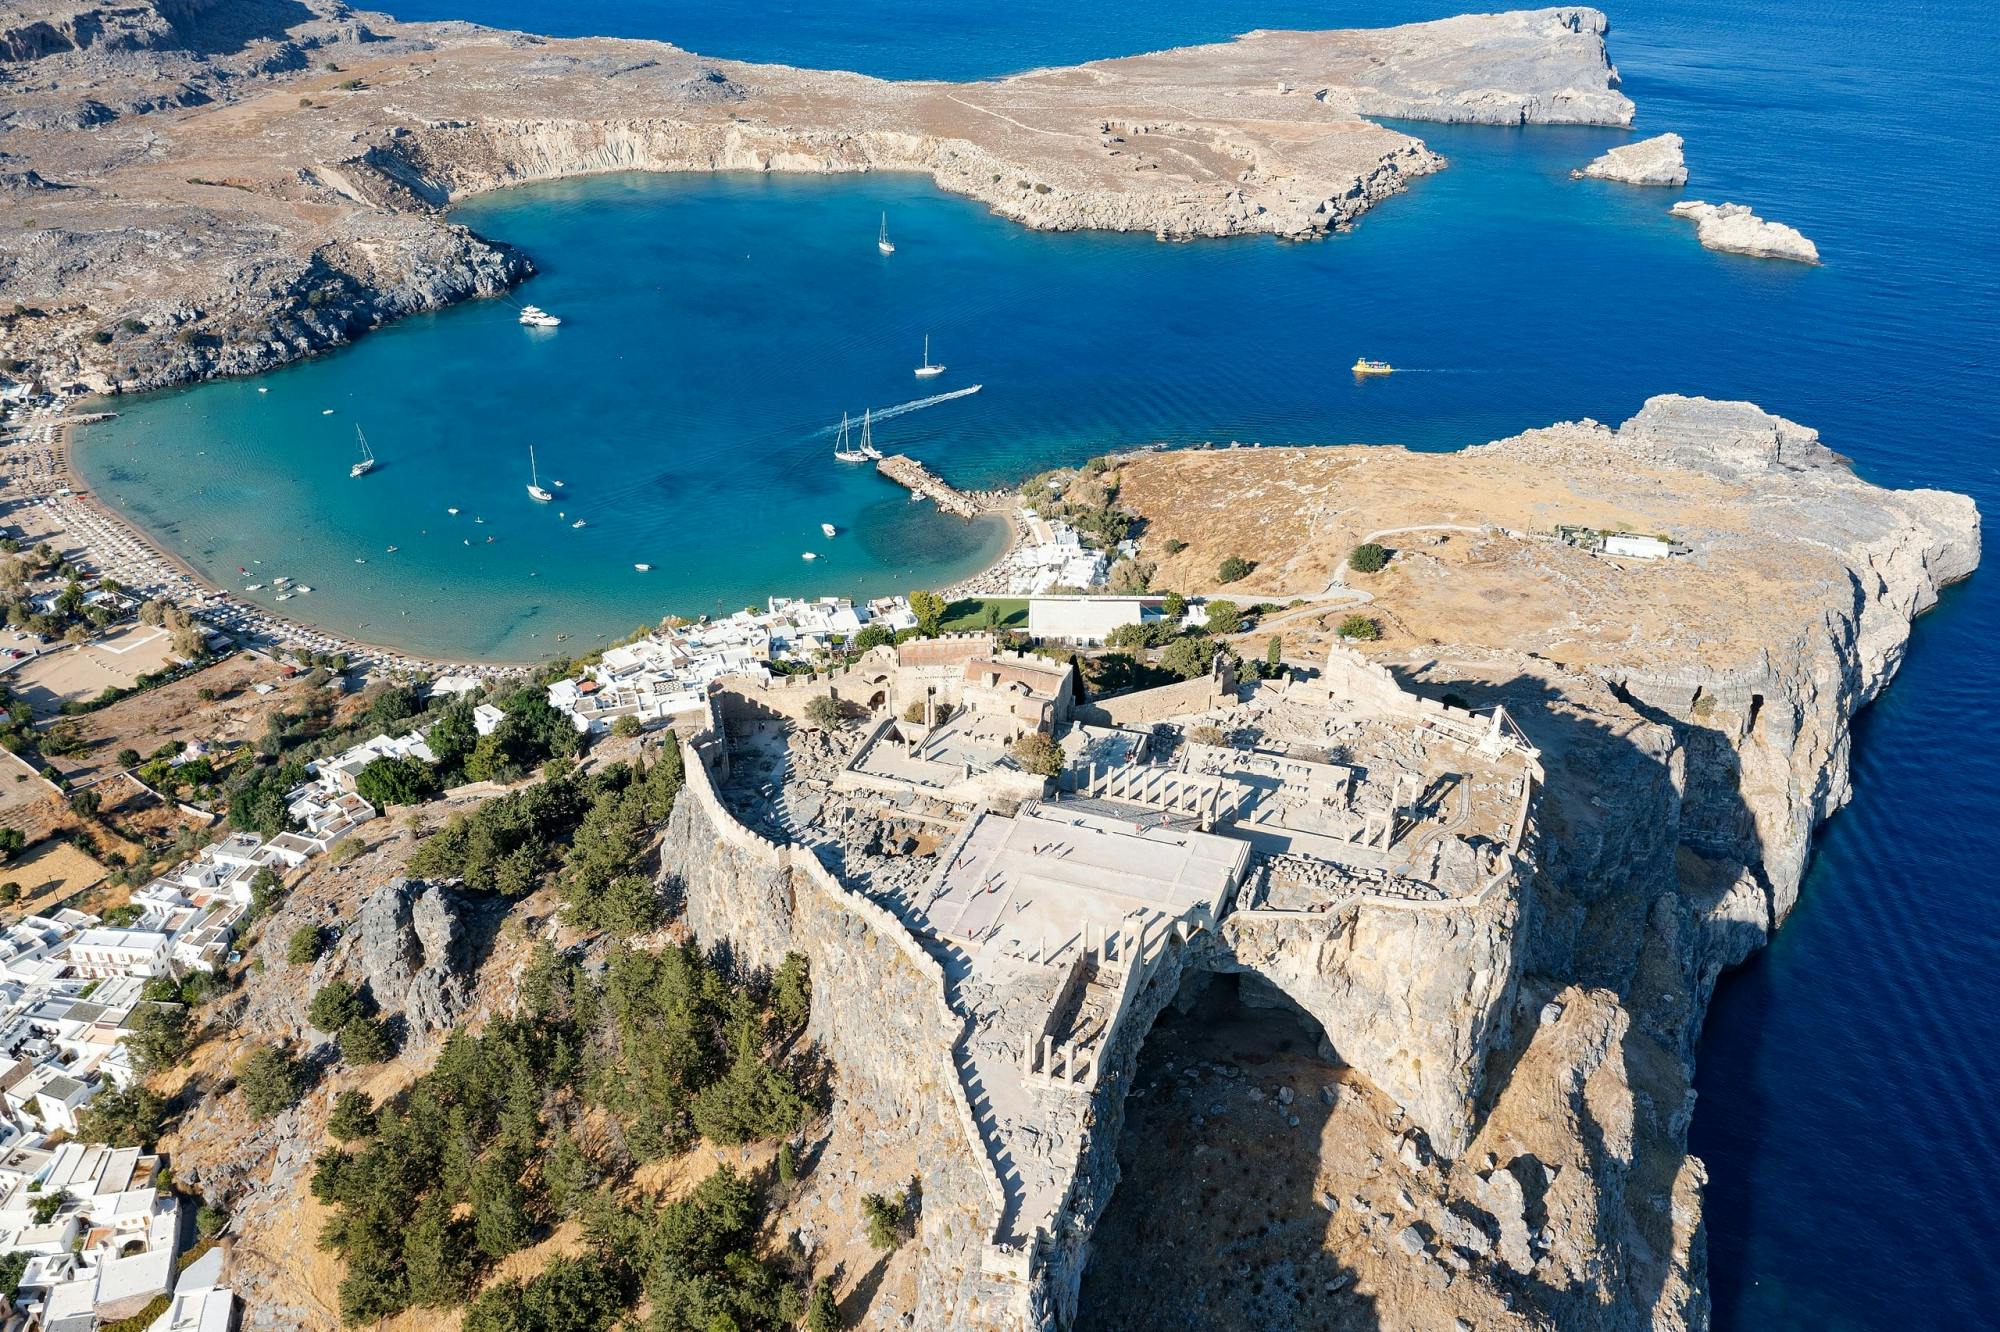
(1648, 881)
(229, 27)
(1215, 1222)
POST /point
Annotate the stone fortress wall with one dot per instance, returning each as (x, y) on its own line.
(759, 901)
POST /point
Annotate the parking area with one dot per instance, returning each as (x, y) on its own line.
(57, 674)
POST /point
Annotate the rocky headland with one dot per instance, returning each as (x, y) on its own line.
(1734, 229)
(1654, 161)
(1500, 1140)
(197, 188)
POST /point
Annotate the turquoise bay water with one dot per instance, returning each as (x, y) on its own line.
(1848, 1075)
(717, 327)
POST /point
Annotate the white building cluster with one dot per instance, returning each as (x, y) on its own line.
(1062, 560)
(666, 675)
(101, 1241)
(70, 984)
(100, 1238)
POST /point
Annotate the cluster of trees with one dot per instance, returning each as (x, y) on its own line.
(483, 1155)
(508, 845)
(529, 734)
(694, 1261)
(348, 1014)
(67, 614)
(602, 879)
(1086, 499)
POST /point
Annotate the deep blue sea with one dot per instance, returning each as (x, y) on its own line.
(1850, 1073)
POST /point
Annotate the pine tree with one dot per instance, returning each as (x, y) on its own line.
(499, 1205)
(438, 1265)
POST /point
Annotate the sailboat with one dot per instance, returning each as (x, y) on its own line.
(841, 451)
(926, 370)
(868, 449)
(882, 241)
(535, 491)
(367, 463)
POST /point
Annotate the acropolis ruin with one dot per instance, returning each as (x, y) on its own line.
(1329, 834)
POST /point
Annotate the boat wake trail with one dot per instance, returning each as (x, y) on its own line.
(903, 409)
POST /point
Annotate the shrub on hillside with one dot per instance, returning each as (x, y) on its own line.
(1360, 628)
(1368, 557)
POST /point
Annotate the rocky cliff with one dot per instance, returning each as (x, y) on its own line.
(1694, 721)
(1509, 1147)
(218, 189)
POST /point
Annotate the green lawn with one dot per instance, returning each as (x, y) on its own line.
(970, 613)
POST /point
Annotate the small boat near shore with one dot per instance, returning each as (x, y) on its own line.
(643, 568)
(579, 523)
(882, 241)
(829, 529)
(810, 555)
(534, 316)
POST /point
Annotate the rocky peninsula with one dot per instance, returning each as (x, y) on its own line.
(1494, 1134)
(1734, 229)
(1654, 161)
(198, 188)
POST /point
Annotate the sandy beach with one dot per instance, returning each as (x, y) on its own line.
(41, 500)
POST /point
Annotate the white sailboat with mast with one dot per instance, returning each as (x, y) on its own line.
(926, 370)
(882, 241)
(865, 451)
(535, 491)
(367, 463)
(842, 451)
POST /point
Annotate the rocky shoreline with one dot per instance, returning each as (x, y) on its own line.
(208, 196)
(1734, 229)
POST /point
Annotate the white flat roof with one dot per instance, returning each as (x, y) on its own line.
(1051, 868)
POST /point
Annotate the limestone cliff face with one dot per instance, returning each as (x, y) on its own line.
(1767, 735)
(468, 159)
(1682, 798)
(1410, 995)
